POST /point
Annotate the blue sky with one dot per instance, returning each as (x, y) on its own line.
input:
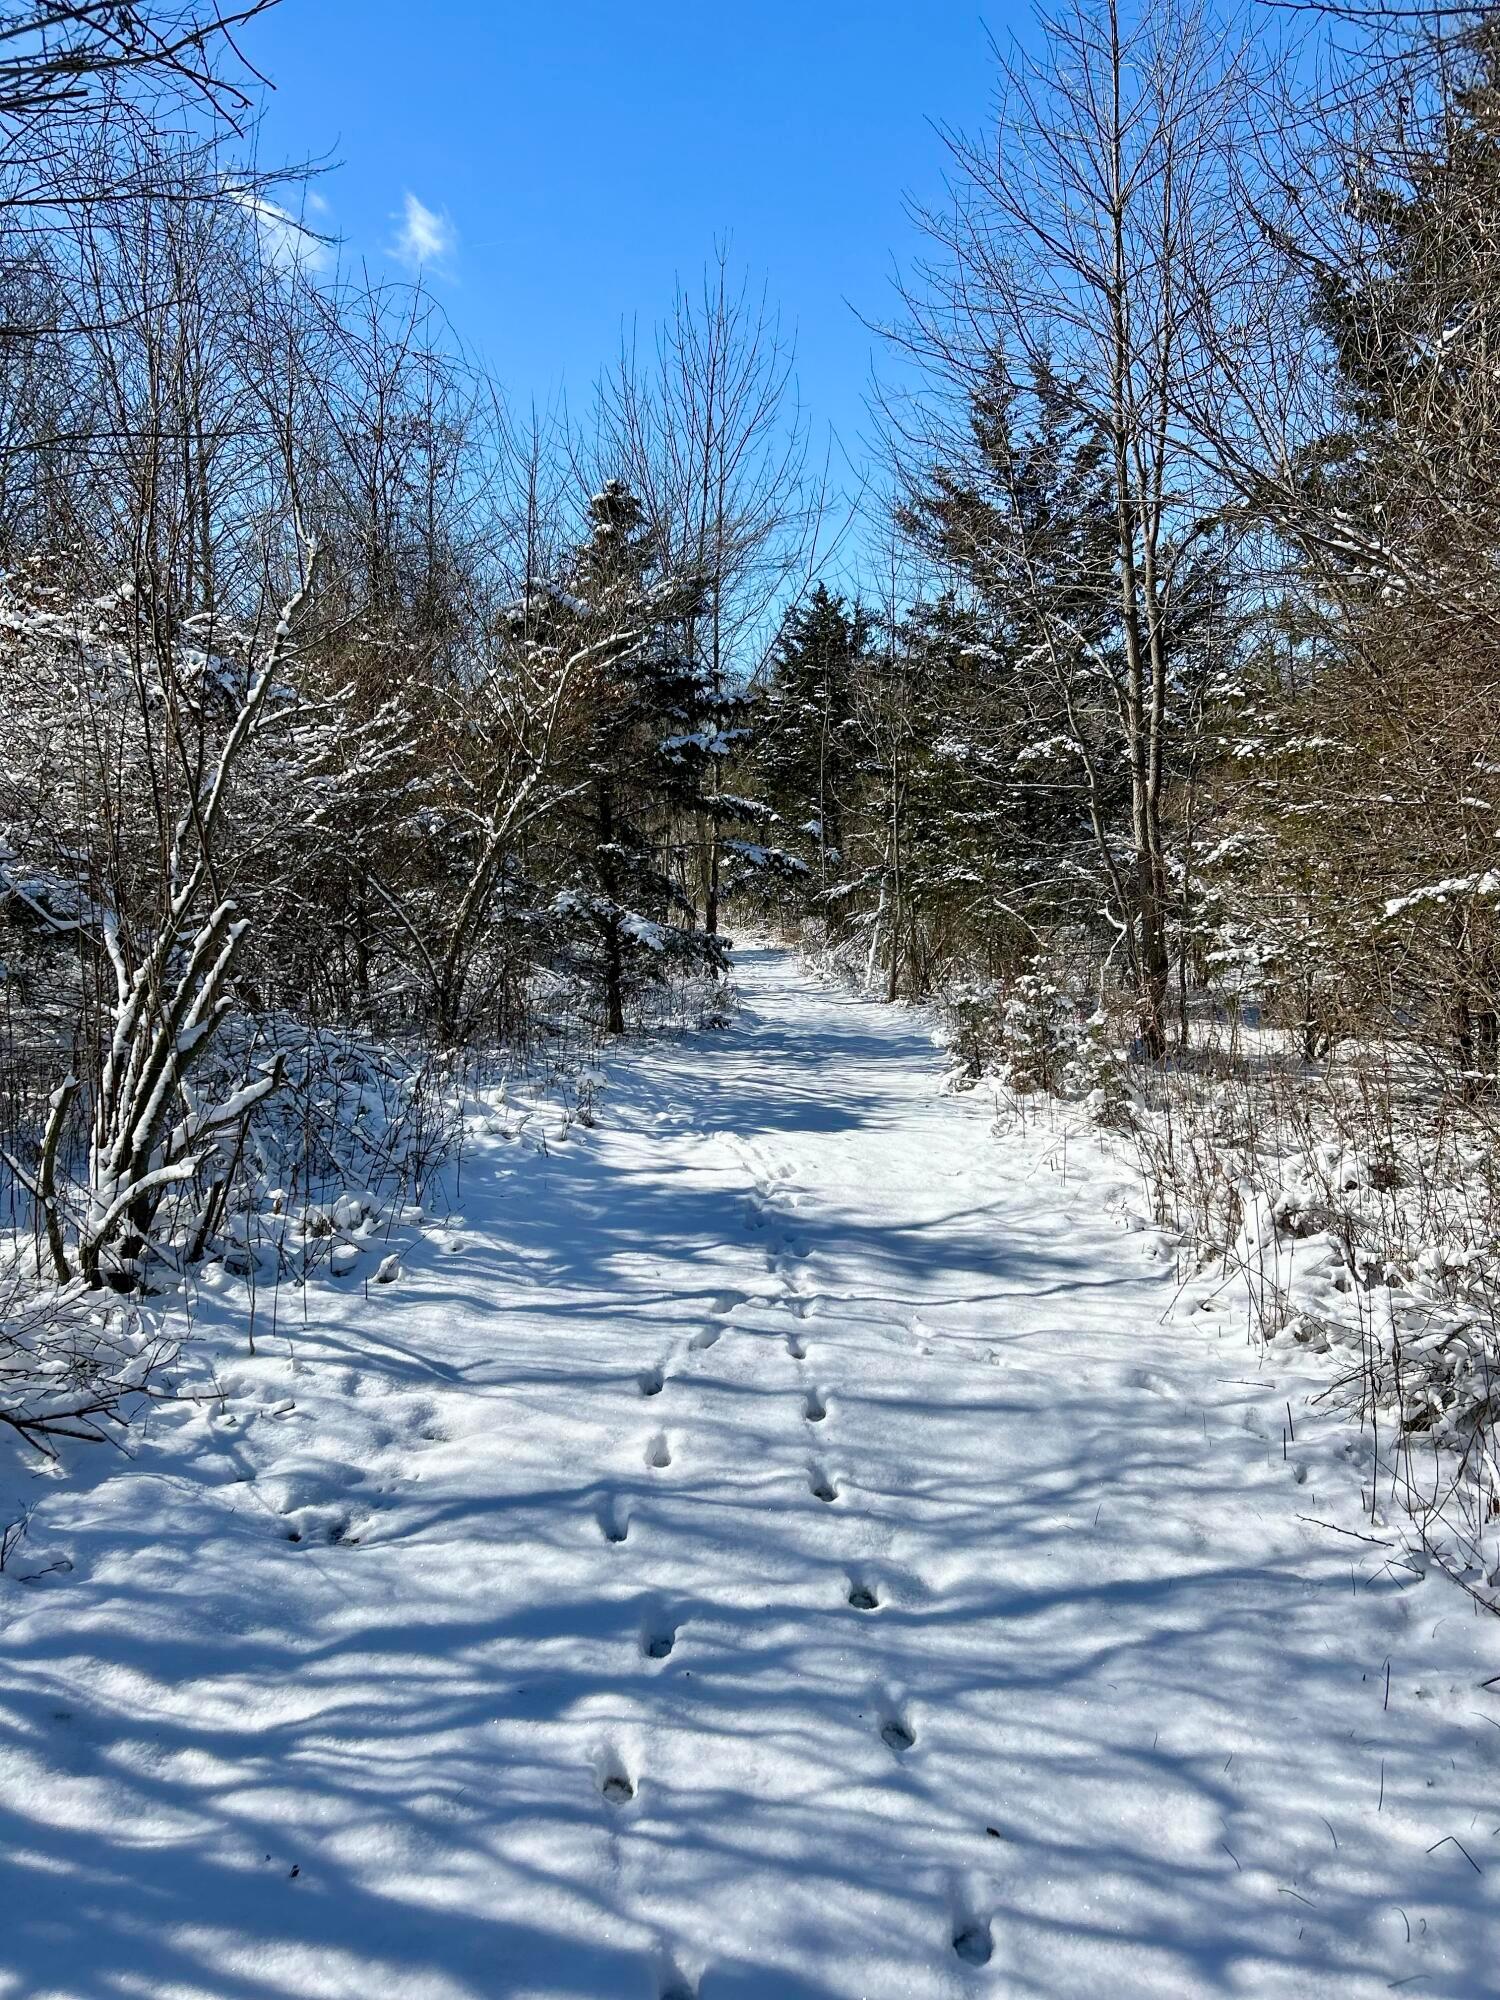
(577, 158)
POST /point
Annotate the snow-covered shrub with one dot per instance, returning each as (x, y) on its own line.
(356, 1132)
(136, 869)
(1095, 1075)
(972, 1018)
(1039, 1036)
(832, 950)
(74, 1362)
(1353, 1212)
(353, 1111)
(1028, 1034)
(1023, 1033)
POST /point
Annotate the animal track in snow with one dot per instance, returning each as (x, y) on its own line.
(862, 1597)
(331, 1526)
(672, 1983)
(814, 1408)
(650, 1381)
(613, 1519)
(331, 1533)
(897, 1735)
(822, 1487)
(657, 1641)
(616, 1788)
(658, 1452)
(1153, 1382)
(972, 1942)
(705, 1337)
(796, 1346)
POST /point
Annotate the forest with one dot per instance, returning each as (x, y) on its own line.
(352, 723)
(385, 758)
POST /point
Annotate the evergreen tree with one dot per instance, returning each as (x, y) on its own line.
(644, 722)
(805, 735)
(1022, 517)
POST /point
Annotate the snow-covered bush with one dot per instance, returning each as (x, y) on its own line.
(354, 1135)
(74, 1361)
(1028, 1035)
(972, 1024)
(1095, 1073)
(1353, 1211)
(1038, 1036)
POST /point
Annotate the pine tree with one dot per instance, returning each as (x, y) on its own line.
(806, 749)
(1021, 515)
(645, 722)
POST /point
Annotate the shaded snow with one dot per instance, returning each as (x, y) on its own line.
(778, 1546)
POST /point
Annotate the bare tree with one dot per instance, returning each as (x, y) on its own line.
(1080, 237)
(1370, 448)
(170, 995)
(59, 58)
(704, 433)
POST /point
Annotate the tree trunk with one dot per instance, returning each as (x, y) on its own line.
(711, 886)
(614, 950)
(614, 977)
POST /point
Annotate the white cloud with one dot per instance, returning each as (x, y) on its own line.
(424, 237)
(290, 244)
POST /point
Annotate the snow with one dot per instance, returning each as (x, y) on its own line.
(779, 1544)
(757, 856)
(1486, 884)
(653, 936)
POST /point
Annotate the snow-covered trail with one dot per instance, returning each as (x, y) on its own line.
(779, 1549)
